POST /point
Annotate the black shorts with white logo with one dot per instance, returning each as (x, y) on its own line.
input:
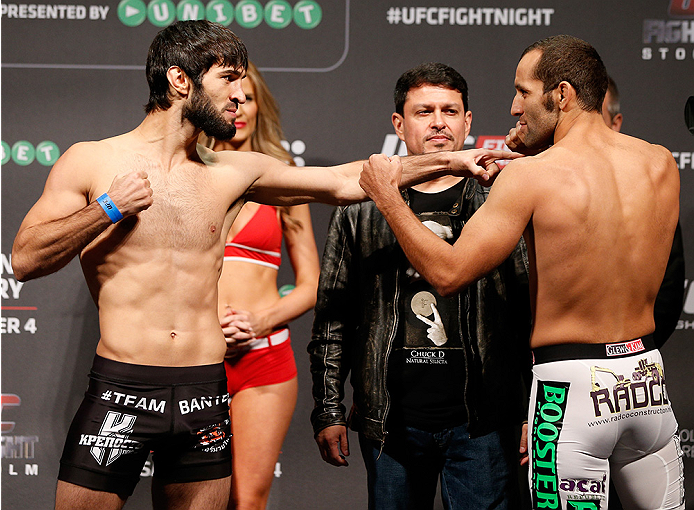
(181, 414)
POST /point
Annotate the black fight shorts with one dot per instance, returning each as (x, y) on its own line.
(181, 414)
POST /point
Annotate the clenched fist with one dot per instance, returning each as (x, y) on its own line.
(131, 192)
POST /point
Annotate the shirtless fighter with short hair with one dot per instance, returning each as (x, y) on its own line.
(148, 212)
(598, 211)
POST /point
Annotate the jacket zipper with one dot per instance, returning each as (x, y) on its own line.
(389, 347)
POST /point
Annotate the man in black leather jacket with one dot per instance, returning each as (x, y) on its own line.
(437, 382)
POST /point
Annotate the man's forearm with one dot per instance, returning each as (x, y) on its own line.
(416, 169)
(479, 164)
(44, 248)
(424, 167)
(474, 163)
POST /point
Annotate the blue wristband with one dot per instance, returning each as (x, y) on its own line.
(107, 205)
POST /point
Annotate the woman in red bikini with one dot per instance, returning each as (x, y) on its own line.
(261, 372)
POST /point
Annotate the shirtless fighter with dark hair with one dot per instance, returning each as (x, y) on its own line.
(148, 213)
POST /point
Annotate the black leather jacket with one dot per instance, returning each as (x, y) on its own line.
(356, 318)
(670, 298)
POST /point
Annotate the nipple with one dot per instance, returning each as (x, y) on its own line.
(213, 229)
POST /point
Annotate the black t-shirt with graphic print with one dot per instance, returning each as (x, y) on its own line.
(426, 368)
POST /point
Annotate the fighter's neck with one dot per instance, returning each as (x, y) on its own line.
(172, 135)
(577, 123)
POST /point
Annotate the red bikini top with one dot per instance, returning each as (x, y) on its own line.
(259, 241)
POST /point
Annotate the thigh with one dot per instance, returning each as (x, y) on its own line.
(592, 407)
(107, 443)
(260, 418)
(69, 496)
(653, 481)
(569, 460)
(404, 473)
(206, 495)
(476, 472)
(199, 447)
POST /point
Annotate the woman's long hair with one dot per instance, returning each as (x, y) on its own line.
(268, 135)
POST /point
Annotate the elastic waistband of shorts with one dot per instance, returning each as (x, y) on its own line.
(152, 374)
(278, 337)
(561, 352)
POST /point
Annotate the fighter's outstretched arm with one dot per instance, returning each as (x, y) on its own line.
(479, 164)
(280, 184)
(486, 241)
(63, 221)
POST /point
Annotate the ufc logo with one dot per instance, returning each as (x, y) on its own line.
(681, 8)
(8, 400)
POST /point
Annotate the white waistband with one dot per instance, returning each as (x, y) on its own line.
(276, 338)
(277, 254)
(251, 261)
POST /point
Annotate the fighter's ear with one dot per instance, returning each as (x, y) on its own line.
(178, 80)
(564, 94)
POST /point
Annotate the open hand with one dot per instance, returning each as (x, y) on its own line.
(480, 164)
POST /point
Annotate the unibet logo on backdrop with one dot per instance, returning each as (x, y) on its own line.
(296, 150)
(24, 153)
(306, 14)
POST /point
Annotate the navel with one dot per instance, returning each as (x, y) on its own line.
(173, 334)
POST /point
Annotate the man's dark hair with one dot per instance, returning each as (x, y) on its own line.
(613, 106)
(568, 58)
(432, 73)
(194, 46)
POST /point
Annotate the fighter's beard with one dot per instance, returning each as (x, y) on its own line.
(202, 114)
(542, 135)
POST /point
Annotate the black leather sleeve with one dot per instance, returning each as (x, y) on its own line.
(670, 299)
(333, 326)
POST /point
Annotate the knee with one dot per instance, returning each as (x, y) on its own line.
(255, 500)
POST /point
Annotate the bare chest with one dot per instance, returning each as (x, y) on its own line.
(187, 213)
